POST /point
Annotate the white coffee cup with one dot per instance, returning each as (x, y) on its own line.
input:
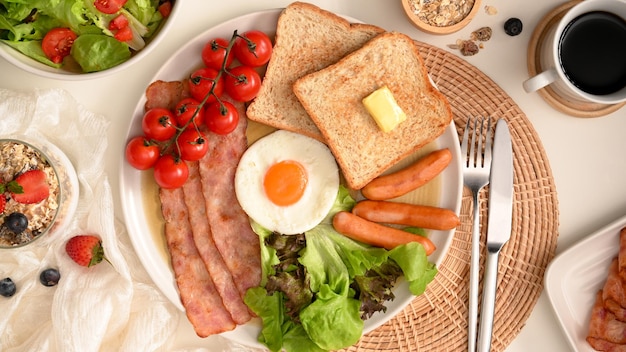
(593, 77)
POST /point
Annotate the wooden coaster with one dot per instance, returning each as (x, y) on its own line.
(573, 108)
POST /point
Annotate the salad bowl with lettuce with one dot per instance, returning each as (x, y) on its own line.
(97, 47)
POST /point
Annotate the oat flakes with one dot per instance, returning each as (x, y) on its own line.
(441, 13)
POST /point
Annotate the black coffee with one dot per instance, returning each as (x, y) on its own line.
(593, 52)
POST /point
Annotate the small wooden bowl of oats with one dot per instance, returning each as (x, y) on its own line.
(440, 16)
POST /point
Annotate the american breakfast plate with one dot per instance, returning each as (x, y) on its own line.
(140, 201)
(574, 277)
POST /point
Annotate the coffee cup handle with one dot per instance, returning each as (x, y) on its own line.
(541, 80)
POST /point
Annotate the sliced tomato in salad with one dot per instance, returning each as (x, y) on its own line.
(165, 8)
(57, 43)
(118, 22)
(123, 35)
(109, 6)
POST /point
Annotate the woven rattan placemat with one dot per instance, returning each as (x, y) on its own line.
(437, 320)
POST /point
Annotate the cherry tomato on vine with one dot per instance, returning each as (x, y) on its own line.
(202, 80)
(159, 124)
(221, 118)
(242, 83)
(192, 145)
(185, 110)
(57, 43)
(256, 51)
(214, 52)
(141, 153)
(109, 6)
(170, 172)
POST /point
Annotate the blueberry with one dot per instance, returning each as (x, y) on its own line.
(16, 222)
(49, 277)
(7, 287)
(513, 26)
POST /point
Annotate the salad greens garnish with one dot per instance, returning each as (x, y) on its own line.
(318, 287)
(23, 24)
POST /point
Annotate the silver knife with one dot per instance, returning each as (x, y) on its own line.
(498, 226)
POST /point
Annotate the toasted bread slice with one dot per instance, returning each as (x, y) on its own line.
(307, 39)
(333, 99)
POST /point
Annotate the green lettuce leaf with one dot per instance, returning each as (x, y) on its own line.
(97, 52)
(333, 321)
(32, 49)
(418, 271)
(336, 268)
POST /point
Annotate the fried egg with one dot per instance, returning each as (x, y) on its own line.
(287, 182)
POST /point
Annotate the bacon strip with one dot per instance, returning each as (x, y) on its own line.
(613, 289)
(233, 236)
(603, 324)
(161, 94)
(622, 253)
(203, 238)
(203, 304)
(604, 345)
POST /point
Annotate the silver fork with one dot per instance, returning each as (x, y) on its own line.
(476, 170)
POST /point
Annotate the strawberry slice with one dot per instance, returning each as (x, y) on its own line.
(85, 250)
(33, 187)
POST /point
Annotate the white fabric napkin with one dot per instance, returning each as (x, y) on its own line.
(109, 307)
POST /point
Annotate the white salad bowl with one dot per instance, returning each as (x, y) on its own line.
(72, 71)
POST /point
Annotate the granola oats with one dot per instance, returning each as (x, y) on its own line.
(17, 158)
(482, 34)
(490, 10)
(469, 48)
(442, 13)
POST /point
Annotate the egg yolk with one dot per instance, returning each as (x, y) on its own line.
(285, 182)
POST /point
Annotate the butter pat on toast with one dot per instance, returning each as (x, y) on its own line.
(333, 99)
(307, 39)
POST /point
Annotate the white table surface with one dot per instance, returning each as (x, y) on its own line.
(585, 154)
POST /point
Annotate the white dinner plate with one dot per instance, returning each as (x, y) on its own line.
(574, 278)
(140, 199)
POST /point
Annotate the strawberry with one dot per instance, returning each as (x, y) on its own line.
(86, 250)
(33, 187)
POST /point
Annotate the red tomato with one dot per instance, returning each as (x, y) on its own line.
(165, 9)
(118, 22)
(242, 83)
(141, 153)
(186, 109)
(221, 118)
(109, 6)
(214, 52)
(123, 35)
(170, 172)
(192, 145)
(255, 51)
(202, 81)
(57, 43)
(159, 124)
